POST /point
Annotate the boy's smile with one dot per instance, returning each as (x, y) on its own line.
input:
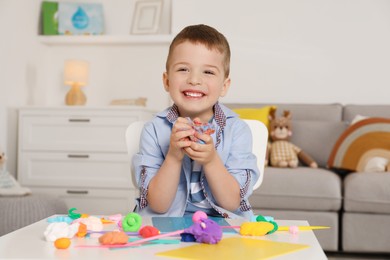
(195, 79)
(193, 94)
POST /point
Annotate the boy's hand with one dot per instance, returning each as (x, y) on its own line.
(180, 138)
(203, 152)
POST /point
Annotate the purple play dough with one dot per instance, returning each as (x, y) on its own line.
(206, 231)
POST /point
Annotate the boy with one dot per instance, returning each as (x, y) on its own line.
(178, 176)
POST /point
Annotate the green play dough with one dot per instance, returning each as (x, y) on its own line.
(132, 222)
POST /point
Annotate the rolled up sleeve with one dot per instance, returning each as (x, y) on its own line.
(241, 162)
(147, 161)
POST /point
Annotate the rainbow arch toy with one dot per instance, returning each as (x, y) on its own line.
(360, 143)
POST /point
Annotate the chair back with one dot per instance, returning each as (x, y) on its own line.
(259, 146)
(133, 137)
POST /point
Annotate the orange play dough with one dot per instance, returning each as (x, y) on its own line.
(114, 238)
(62, 243)
(82, 232)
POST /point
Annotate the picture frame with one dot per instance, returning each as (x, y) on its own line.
(146, 16)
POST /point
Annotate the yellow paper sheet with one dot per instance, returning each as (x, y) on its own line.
(234, 248)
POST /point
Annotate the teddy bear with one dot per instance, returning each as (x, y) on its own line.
(280, 151)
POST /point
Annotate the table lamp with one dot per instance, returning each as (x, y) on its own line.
(75, 76)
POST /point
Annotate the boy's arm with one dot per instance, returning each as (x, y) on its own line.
(163, 186)
(223, 185)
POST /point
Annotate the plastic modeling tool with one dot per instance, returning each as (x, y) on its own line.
(302, 228)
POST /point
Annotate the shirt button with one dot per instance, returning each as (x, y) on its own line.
(225, 215)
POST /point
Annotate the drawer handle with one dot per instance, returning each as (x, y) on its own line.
(77, 191)
(76, 120)
(85, 156)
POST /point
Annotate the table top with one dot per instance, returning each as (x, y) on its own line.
(29, 242)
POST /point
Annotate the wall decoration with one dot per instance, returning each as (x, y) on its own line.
(146, 17)
(49, 18)
(80, 18)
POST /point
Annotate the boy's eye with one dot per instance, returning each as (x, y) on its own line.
(182, 69)
(209, 72)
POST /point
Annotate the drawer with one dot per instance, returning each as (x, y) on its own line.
(94, 201)
(77, 133)
(81, 170)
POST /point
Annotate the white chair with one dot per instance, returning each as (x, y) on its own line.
(133, 136)
(259, 135)
(259, 145)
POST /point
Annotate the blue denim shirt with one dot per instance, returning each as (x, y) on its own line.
(233, 142)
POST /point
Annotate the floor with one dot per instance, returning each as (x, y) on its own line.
(356, 256)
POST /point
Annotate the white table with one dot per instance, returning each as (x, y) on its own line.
(29, 242)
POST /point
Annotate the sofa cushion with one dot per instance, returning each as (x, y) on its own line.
(20, 211)
(317, 112)
(350, 111)
(316, 138)
(367, 192)
(299, 188)
(369, 233)
(260, 114)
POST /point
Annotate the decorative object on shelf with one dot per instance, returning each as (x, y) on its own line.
(76, 76)
(49, 18)
(146, 17)
(141, 101)
(80, 18)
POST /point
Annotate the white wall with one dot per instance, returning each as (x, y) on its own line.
(18, 61)
(317, 51)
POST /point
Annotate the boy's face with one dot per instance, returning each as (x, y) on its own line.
(195, 79)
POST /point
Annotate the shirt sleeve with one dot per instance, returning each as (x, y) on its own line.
(241, 162)
(148, 160)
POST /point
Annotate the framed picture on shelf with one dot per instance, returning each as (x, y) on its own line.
(146, 16)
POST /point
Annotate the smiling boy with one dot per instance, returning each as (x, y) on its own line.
(176, 175)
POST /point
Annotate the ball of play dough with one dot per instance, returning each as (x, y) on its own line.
(198, 215)
(62, 243)
(255, 228)
(132, 222)
(148, 231)
(114, 238)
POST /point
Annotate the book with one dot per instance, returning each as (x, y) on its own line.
(80, 18)
(49, 18)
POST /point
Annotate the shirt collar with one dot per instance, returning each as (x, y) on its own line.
(221, 113)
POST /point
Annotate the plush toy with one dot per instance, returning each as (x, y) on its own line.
(281, 152)
(8, 185)
(2, 161)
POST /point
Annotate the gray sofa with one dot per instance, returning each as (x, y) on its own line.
(355, 205)
(20, 211)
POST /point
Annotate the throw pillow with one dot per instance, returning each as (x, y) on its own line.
(361, 144)
(260, 114)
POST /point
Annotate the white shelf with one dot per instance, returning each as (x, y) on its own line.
(105, 39)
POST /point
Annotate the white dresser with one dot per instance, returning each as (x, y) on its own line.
(79, 154)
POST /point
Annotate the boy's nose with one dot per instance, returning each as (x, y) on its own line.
(194, 79)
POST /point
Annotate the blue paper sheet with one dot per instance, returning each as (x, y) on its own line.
(170, 224)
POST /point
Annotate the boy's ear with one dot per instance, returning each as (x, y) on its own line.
(225, 87)
(166, 81)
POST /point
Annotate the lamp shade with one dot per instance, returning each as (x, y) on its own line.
(76, 72)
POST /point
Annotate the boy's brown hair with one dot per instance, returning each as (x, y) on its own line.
(206, 35)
